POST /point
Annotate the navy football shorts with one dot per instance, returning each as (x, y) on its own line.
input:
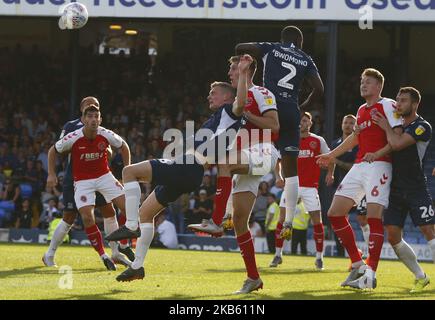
(417, 203)
(173, 179)
(361, 208)
(289, 128)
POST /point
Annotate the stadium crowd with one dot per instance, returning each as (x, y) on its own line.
(34, 87)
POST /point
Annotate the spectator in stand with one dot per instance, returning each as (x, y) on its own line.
(272, 217)
(48, 214)
(166, 235)
(261, 204)
(255, 228)
(203, 207)
(23, 217)
(207, 186)
(11, 192)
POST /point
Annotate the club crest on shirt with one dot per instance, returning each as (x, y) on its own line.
(102, 146)
(396, 115)
(313, 144)
(420, 130)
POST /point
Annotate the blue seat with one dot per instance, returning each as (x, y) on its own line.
(7, 206)
(26, 190)
(4, 216)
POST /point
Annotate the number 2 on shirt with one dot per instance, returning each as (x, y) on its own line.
(284, 82)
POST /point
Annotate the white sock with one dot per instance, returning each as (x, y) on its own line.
(59, 234)
(132, 201)
(319, 255)
(278, 252)
(110, 225)
(291, 189)
(366, 233)
(432, 248)
(143, 243)
(407, 256)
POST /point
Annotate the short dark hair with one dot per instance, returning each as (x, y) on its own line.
(292, 34)
(252, 67)
(414, 93)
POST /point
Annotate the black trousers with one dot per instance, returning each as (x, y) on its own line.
(270, 237)
(299, 237)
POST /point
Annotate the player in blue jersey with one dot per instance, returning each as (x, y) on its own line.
(285, 68)
(409, 192)
(70, 211)
(174, 178)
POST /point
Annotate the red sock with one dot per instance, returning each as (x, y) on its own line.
(247, 251)
(318, 236)
(279, 242)
(345, 234)
(121, 221)
(223, 191)
(94, 236)
(376, 241)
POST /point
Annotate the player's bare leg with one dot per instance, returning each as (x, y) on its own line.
(242, 207)
(111, 224)
(376, 241)
(59, 234)
(319, 236)
(405, 254)
(131, 175)
(94, 235)
(291, 191)
(149, 209)
(429, 234)
(363, 223)
(123, 246)
(214, 226)
(337, 215)
(279, 242)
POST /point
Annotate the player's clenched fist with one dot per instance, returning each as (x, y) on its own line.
(245, 62)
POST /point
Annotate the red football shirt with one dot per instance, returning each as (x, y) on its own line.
(371, 137)
(89, 157)
(259, 101)
(308, 170)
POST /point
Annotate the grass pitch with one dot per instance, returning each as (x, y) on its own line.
(177, 274)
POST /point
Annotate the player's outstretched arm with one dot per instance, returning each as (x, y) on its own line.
(325, 159)
(51, 178)
(315, 82)
(242, 86)
(125, 154)
(249, 48)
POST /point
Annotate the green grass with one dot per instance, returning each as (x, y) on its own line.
(171, 274)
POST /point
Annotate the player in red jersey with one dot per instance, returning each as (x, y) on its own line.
(310, 146)
(260, 154)
(370, 176)
(91, 173)
(70, 211)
